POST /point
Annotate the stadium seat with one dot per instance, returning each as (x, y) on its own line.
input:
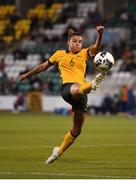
(8, 39)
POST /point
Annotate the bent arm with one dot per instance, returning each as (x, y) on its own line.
(41, 67)
(96, 47)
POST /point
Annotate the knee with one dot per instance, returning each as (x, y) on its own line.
(76, 132)
(74, 90)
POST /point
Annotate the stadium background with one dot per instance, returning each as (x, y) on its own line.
(32, 30)
(30, 34)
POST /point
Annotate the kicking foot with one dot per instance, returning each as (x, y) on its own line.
(98, 79)
(54, 156)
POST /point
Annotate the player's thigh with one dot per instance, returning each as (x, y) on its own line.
(78, 103)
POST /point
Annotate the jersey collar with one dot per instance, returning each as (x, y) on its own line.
(67, 51)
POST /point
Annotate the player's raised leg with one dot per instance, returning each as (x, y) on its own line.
(86, 87)
(98, 79)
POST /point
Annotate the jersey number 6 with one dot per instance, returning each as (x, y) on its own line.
(71, 62)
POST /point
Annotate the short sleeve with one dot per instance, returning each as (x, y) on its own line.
(54, 58)
(85, 53)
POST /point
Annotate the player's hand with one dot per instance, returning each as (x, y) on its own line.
(100, 29)
(23, 77)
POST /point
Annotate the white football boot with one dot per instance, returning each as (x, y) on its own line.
(98, 79)
(54, 156)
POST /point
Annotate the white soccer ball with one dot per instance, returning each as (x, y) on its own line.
(103, 61)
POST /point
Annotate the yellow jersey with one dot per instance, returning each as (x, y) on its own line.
(72, 67)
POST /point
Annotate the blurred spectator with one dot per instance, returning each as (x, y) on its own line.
(2, 64)
(115, 103)
(107, 107)
(4, 82)
(128, 60)
(20, 103)
(12, 86)
(123, 99)
(131, 103)
(35, 83)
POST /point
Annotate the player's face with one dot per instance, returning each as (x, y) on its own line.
(75, 43)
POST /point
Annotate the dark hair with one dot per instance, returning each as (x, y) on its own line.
(72, 32)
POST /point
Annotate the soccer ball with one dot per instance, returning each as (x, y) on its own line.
(103, 61)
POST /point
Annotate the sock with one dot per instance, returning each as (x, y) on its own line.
(85, 88)
(68, 140)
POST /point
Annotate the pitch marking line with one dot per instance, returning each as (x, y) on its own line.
(78, 146)
(61, 174)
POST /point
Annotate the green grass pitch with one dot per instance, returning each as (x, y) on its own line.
(105, 149)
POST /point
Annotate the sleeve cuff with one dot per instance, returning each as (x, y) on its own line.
(50, 63)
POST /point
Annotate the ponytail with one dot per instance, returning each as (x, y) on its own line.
(72, 32)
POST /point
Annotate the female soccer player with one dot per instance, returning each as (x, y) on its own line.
(72, 66)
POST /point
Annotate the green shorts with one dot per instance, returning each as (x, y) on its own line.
(77, 103)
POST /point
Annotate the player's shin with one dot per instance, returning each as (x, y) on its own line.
(68, 140)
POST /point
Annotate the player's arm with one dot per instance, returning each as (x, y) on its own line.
(96, 47)
(41, 67)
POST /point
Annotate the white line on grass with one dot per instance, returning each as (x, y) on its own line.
(77, 146)
(61, 174)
